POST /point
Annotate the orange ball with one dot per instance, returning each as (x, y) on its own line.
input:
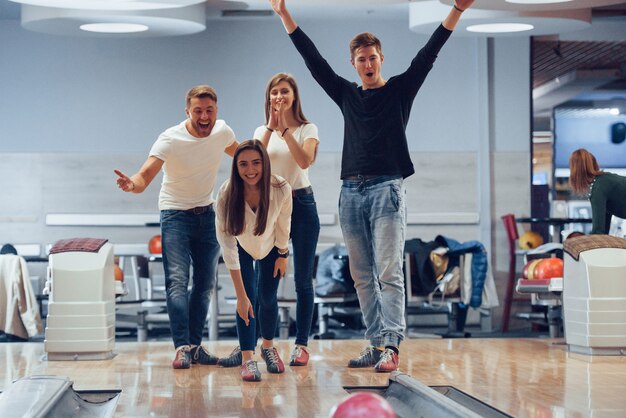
(549, 268)
(154, 246)
(119, 273)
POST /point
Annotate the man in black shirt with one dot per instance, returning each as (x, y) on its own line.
(375, 162)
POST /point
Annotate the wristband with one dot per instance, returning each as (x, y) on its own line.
(284, 254)
(456, 7)
(268, 128)
(284, 132)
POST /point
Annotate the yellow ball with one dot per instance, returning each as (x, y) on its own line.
(530, 240)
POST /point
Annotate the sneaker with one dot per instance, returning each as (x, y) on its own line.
(201, 355)
(388, 361)
(367, 358)
(182, 360)
(272, 360)
(299, 356)
(250, 371)
(233, 360)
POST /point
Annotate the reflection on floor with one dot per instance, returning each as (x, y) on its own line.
(520, 377)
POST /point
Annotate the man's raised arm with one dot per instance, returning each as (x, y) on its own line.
(455, 14)
(281, 10)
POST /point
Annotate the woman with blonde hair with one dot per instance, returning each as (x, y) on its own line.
(606, 191)
(253, 218)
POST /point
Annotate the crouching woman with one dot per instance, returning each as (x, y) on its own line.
(253, 218)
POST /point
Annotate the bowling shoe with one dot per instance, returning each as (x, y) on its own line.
(234, 359)
(367, 358)
(250, 371)
(182, 359)
(388, 361)
(272, 360)
(201, 355)
(299, 356)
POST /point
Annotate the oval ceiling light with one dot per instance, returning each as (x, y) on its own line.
(499, 27)
(426, 15)
(160, 22)
(112, 27)
(110, 4)
(528, 5)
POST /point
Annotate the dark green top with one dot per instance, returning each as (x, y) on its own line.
(607, 195)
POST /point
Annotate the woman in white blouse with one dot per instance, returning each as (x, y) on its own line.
(253, 220)
(291, 142)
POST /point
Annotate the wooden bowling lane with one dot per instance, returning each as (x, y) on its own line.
(521, 377)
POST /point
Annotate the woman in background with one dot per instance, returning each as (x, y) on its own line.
(291, 142)
(253, 219)
(606, 191)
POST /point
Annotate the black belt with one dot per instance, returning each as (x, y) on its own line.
(302, 192)
(199, 210)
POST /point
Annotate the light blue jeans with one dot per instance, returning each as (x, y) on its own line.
(372, 213)
(188, 238)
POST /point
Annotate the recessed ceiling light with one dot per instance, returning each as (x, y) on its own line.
(500, 27)
(114, 27)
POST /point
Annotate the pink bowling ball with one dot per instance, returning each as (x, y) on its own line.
(363, 405)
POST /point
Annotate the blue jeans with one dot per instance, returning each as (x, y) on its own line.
(305, 230)
(188, 239)
(261, 287)
(372, 213)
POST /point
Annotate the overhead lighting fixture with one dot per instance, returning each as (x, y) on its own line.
(110, 4)
(114, 27)
(499, 27)
(123, 21)
(426, 15)
(614, 111)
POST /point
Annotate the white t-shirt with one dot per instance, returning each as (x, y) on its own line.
(190, 165)
(281, 159)
(258, 246)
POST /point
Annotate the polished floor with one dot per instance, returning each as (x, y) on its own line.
(521, 377)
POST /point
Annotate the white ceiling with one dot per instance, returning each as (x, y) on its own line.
(355, 9)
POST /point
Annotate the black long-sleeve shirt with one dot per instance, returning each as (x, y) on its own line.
(607, 197)
(375, 120)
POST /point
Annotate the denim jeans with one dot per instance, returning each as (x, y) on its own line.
(305, 230)
(372, 213)
(261, 287)
(188, 239)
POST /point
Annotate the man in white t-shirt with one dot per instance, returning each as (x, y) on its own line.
(190, 154)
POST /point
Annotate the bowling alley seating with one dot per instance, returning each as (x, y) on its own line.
(445, 287)
(334, 302)
(594, 294)
(19, 312)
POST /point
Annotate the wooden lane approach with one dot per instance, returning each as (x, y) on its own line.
(520, 377)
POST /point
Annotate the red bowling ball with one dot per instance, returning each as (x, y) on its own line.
(154, 245)
(363, 405)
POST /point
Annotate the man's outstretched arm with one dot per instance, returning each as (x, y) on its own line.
(281, 10)
(455, 14)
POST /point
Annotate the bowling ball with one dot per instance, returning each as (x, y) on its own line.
(119, 274)
(530, 240)
(549, 268)
(363, 405)
(154, 246)
(529, 269)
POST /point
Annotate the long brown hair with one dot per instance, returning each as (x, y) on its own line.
(296, 107)
(235, 202)
(583, 169)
